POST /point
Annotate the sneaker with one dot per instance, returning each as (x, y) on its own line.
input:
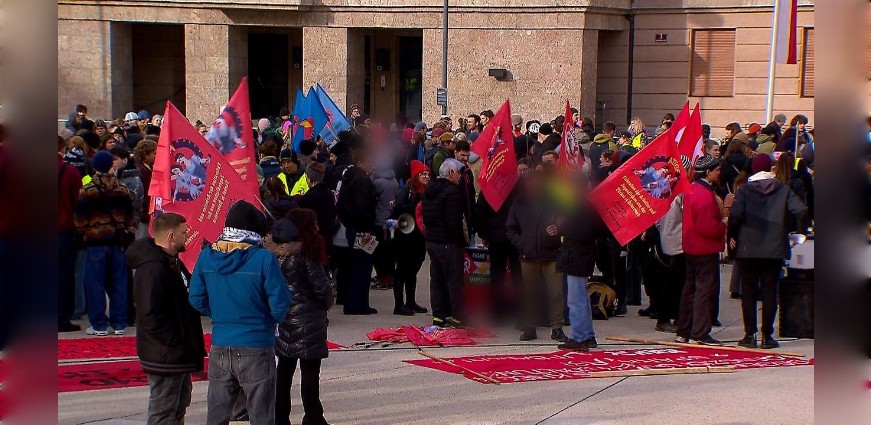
(716, 324)
(402, 311)
(768, 342)
(591, 343)
(68, 327)
(438, 321)
(528, 335)
(120, 332)
(451, 322)
(666, 327)
(574, 345)
(92, 331)
(708, 340)
(558, 335)
(681, 339)
(748, 341)
(620, 311)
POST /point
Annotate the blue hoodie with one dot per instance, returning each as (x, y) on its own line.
(241, 288)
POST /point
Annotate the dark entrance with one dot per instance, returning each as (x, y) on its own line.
(410, 77)
(268, 73)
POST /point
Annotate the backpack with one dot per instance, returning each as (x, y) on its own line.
(603, 299)
(429, 155)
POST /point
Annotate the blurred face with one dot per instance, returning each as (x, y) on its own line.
(471, 124)
(289, 167)
(367, 165)
(576, 117)
(714, 151)
(800, 126)
(204, 130)
(454, 177)
(522, 169)
(100, 131)
(368, 122)
(119, 163)
(714, 175)
(118, 137)
(149, 159)
(462, 156)
(333, 158)
(424, 177)
(780, 123)
(548, 159)
(110, 144)
(484, 119)
(533, 185)
(177, 237)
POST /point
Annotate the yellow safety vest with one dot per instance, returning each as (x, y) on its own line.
(85, 180)
(299, 188)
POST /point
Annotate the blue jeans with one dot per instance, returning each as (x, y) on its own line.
(232, 369)
(580, 313)
(106, 273)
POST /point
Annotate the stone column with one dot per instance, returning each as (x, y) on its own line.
(589, 73)
(212, 60)
(95, 68)
(333, 57)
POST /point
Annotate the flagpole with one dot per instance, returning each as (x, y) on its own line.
(445, 54)
(772, 62)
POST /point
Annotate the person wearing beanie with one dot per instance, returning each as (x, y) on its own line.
(601, 143)
(239, 285)
(444, 150)
(106, 220)
(758, 231)
(703, 239)
(131, 117)
(321, 199)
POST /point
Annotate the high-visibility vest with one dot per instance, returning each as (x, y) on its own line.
(299, 188)
(85, 180)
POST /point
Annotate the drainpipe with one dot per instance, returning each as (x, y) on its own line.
(631, 64)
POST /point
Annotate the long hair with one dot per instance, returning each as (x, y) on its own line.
(276, 188)
(313, 245)
(416, 185)
(783, 167)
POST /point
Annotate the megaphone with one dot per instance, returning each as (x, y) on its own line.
(405, 223)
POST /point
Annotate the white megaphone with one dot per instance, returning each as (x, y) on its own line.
(405, 223)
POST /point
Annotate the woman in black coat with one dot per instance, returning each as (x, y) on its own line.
(410, 258)
(302, 336)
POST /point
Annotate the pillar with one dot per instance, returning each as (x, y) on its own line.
(333, 57)
(216, 58)
(589, 72)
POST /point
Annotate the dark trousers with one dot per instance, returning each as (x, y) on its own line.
(503, 255)
(636, 258)
(446, 280)
(655, 275)
(66, 273)
(342, 260)
(759, 276)
(361, 273)
(700, 291)
(668, 306)
(384, 257)
(409, 259)
(612, 266)
(309, 390)
(168, 398)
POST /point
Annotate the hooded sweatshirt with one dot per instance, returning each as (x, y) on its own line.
(241, 288)
(600, 144)
(386, 187)
(765, 144)
(758, 219)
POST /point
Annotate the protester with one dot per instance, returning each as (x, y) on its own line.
(445, 149)
(735, 162)
(576, 260)
(442, 209)
(532, 229)
(758, 230)
(384, 261)
(625, 143)
(549, 139)
(76, 117)
(638, 131)
(796, 136)
(775, 127)
(302, 335)
(463, 153)
(601, 143)
(670, 227)
(320, 199)
(356, 210)
(69, 185)
(412, 246)
(169, 335)
(279, 203)
(268, 153)
(703, 240)
(145, 154)
(239, 285)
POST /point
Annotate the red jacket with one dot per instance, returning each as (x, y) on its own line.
(69, 183)
(704, 231)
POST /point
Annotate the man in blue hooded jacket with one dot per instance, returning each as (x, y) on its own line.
(239, 285)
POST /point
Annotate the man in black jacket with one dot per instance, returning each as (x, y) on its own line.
(490, 226)
(532, 228)
(169, 334)
(442, 212)
(356, 210)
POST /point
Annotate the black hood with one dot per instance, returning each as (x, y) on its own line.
(351, 173)
(143, 251)
(436, 187)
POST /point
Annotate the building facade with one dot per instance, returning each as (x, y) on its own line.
(613, 59)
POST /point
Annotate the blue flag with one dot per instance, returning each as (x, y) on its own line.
(308, 118)
(336, 120)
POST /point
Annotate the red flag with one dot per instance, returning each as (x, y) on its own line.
(570, 156)
(231, 134)
(786, 37)
(193, 179)
(692, 141)
(495, 146)
(638, 193)
(680, 123)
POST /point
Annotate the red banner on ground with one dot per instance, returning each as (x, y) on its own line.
(570, 156)
(495, 146)
(563, 365)
(107, 375)
(429, 336)
(193, 179)
(640, 191)
(231, 135)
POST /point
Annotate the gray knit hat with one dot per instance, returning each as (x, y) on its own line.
(315, 172)
(706, 163)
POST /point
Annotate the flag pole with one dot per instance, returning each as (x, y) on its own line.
(772, 62)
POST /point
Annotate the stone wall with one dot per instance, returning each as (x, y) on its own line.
(216, 58)
(158, 67)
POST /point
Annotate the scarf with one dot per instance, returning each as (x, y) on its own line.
(232, 234)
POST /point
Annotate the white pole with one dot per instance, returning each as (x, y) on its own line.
(772, 61)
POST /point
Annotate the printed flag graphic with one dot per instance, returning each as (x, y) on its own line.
(336, 120)
(231, 134)
(495, 146)
(570, 156)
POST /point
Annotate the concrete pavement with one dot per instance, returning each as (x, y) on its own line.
(374, 386)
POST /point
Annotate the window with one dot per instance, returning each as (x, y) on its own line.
(807, 63)
(712, 67)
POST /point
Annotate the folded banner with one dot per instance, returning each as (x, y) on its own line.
(562, 365)
(681, 122)
(570, 156)
(640, 191)
(495, 146)
(336, 120)
(309, 118)
(193, 179)
(692, 141)
(429, 336)
(232, 135)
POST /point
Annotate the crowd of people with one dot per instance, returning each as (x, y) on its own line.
(331, 218)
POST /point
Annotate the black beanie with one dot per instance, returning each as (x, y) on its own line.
(244, 216)
(307, 147)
